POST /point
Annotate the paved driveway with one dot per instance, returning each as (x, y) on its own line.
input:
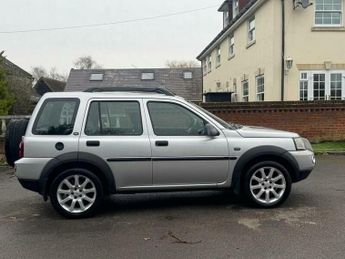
(209, 224)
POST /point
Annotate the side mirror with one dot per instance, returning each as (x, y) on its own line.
(211, 131)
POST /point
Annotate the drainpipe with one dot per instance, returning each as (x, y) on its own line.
(283, 51)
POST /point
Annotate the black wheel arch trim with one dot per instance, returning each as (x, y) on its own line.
(261, 152)
(75, 158)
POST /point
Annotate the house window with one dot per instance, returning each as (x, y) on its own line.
(235, 8)
(96, 77)
(303, 87)
(209, 63)
(319, 85)
(218, 56)
(231, 45)
(245, 91)
(204, 66)
(251, 30)
(188, 75)
(336, 86)
(328, 12)
(147, 76)
(260, 88)
(322, 85)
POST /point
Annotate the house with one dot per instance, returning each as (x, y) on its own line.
(20, 84)
(45, 85)
(270, 50)
(185, 82)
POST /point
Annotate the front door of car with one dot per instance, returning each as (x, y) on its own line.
(114, 131)
(182, 154)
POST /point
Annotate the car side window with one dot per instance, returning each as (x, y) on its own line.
(56, 117)
(114, 118)
(170, 119)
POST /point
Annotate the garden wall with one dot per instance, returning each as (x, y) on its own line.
(317, 120)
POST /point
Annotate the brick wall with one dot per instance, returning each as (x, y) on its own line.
(317, 121)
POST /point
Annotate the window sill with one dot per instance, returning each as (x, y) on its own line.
(328, 28)
(250, 44)
(218, 66)
(231, 56)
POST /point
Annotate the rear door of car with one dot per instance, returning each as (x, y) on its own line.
(115, 130)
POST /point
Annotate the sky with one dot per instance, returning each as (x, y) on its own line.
(139, 44)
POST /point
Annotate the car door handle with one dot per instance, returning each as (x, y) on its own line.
(92, 143)
(162, 143)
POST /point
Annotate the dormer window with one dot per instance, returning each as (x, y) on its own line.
(235, 8)
(225, 8)
(96, 77)
(147, 76)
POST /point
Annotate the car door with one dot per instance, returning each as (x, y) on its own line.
(114, 131)
(182, 154)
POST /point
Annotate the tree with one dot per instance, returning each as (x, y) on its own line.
(38, 72)
(6, 97)
(86, 62)
(181, 64)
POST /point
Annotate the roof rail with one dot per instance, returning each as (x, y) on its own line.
(131, 89)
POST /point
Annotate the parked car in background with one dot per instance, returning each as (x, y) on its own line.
(81, 146)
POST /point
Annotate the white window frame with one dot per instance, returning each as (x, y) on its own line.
(218, 56)
(303, 81)
(328, 73)
(209, 63)
(251, 30)
(245, 97)
(329, 11)
(341, 86)
(204, 66)
(235, 8)
(259, 93)
(231, 40)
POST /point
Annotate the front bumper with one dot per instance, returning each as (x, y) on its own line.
(305, 162)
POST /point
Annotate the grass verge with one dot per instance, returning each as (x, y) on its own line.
(324, 147)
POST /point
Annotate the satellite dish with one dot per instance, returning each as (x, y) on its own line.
(302, 3)
(305, 3)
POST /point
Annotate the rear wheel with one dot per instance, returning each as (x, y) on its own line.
(267, 184)
(76, 193)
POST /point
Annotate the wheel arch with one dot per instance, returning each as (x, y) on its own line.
(77, 159)
(259, 154)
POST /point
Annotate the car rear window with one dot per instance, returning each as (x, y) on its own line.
(56, 117)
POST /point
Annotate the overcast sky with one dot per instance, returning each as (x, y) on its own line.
(137, 44)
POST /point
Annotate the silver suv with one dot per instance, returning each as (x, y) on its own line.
(80, 146)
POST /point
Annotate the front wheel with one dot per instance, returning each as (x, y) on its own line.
(76, 193)
(267, 184)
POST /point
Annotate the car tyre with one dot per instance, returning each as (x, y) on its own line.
(267, 184)
(14, 133)
(76, 193)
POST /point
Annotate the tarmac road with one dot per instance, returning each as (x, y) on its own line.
(206, 224)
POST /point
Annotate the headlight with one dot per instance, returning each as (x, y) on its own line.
(299, 144)
(302, 144)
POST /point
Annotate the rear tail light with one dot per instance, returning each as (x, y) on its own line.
(21, 149)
